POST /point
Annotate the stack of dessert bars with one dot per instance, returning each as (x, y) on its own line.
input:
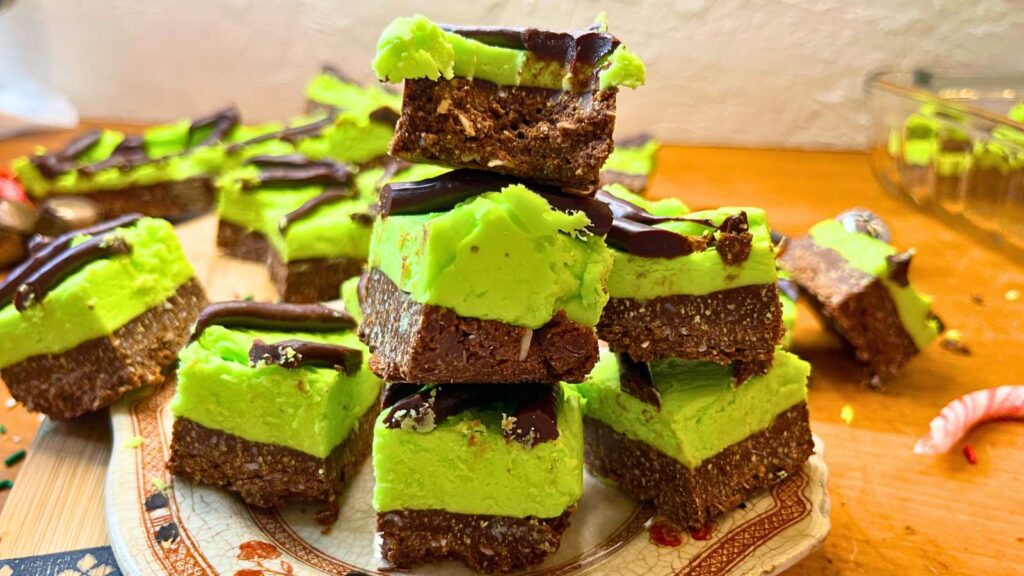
(484, 286)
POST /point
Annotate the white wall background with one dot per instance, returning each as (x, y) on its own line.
(782, 73)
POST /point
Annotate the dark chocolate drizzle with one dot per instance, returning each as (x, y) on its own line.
(298, 353)
(44, 251)
(220, 124)
(899, 267)
(633, 232)
(36, 286)
(259, 315)
(445, 191)
(536, 418)
(64, 160)
(325, 198)
(130, 152)
(291, 135)
(533, 421)
(636, 380)
(298, 170)
(396, 391)
(572, 50)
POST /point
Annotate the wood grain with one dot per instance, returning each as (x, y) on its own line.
(892, 511)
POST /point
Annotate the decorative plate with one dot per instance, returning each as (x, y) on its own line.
(202, 530)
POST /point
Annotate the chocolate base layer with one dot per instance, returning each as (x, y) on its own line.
(855, 304)
(174, 201)
(313, 280)
(94, 374)
(239, 242)
(267, 475)
(692, 497)
(635, 183)
(735, 325)
(549, 136)
(487, 544)
(413, 342)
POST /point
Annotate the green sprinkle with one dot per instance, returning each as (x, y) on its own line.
(6, 485)
(134, 442)
(159, 483)
(3, 429)
(15, 458)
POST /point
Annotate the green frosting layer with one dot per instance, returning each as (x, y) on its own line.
(326, 88)
(638, 160)
(100, 297)
(328, 232)
(415, 47)
(868, 255)
(466, 466)
(506, 256)
(310, 409)
(702, 411)
(699, 273)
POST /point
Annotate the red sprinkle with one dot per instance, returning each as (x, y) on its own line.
(662, 533)
(969, 454)
(703, 533)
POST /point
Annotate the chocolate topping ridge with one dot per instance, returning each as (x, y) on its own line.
(297, 353)
(309, 206)
(43, 253)
(570, 49)
(300, 317)
(445, 191)
(899, 267)
(36, 286)
(296, 169)
(636, 380)
(64, 160)
(534, 420)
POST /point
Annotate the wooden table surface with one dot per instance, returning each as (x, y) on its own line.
(892, 511)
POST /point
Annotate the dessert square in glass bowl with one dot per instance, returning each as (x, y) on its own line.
(953, 145)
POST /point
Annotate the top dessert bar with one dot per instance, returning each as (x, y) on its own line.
(631, 163)
(93, 314)
(530, 103)
(166, 171)
(477, 277)
(696, 286)
(860, 284)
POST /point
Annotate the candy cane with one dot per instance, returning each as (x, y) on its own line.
(960, 415)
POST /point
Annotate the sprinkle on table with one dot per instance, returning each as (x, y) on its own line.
(970, 454)
(15, 458)
(3, 429)
(6, 484)
(134, 442)
(1012, 295)
(159, 483)
(846, 414)
(953, 341)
